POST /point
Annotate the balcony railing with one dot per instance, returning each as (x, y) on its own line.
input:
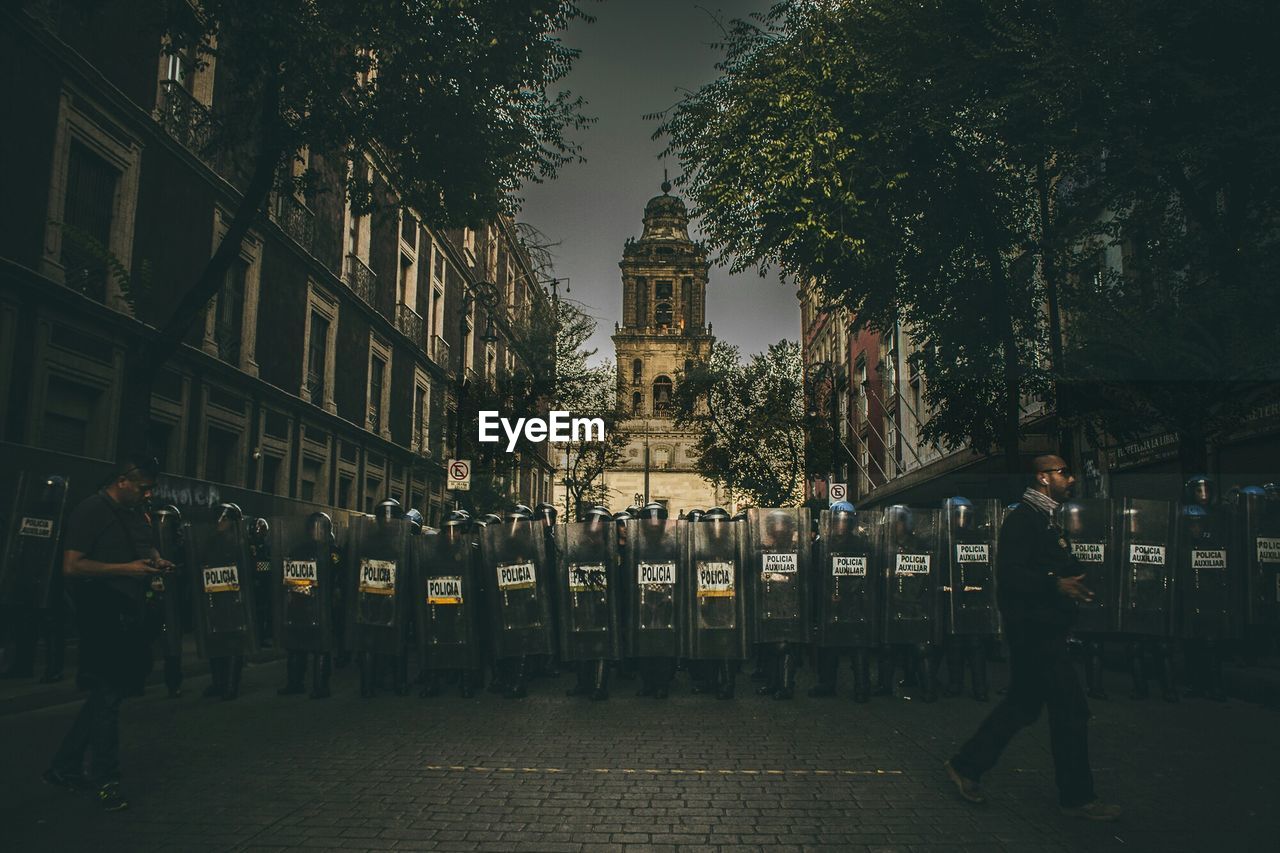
(296, 221)
(183, 117)
(411, 325)
(439, 351)
(362, 280)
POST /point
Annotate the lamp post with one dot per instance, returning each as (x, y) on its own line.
(820, 407)
(485, 296)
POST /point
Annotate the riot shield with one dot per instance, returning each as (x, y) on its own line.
(165, 595)
(717, 592)
(846, 579)
(303, 582)
(587, 582)
(32, 560)
(1206, 596)
(970, 579)
(221, 578)
(1088, 527)
(909, 546)
(1146, 575)
(449, 600)
(521, 589)
(779, 567)
(379, 572)
(655, 571)
(1257, 522)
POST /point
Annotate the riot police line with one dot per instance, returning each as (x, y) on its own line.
(502, 598)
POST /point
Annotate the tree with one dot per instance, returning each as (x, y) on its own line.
(827, 147)
(750, 419)
(586, 391)
(450, 98)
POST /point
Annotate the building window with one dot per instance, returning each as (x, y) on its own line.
(73, 416)
(637, 371)
(221, 449)
(662, 316)
(231, 321)
(637, 404)
(311, 480)
(346, 498)
(860, 388)
(662, 395)
(271, 468)
(89, 205)
(92, 197)
(662, 290)
(379, 392)
(229, 313)
(319, 345)
(421, 413)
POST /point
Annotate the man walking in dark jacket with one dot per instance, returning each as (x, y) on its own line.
(1039, 583)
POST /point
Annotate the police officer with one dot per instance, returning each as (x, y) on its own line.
(260, 556)
(380, 571)
(587, 579)
(1207, 613)
(779, 568)
(222, 584)
(450, 607)
(520, 592)
(32, 596)
(912, 581)
(717, 592)
(971, 619)
(654, 577)
(305, 579)
(846, 600)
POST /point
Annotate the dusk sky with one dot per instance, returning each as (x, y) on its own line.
(637, 58)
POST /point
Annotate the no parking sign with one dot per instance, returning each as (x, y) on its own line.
(459, 474)
(837, 492)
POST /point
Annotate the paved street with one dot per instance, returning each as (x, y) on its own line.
(552, 773)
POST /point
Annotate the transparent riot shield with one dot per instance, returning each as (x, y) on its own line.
(30, 574)
(970, 580)
(779, 566)
(165, 595)
(910, 542)
(717, 595)
(303, 582)
(380, 569)
(221, 579)
(1088, 527)
(1257, 523)
(449, 600)
(587, 582)
(655, 572)
(521, 589)
(1147, 583)
(1207, 598)
(846, 574)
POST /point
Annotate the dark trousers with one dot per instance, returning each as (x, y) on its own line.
(1040, 673)
(97, 730)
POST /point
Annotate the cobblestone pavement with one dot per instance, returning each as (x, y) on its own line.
(560, 774)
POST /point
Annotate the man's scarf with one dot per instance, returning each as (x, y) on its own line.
(1040, 501)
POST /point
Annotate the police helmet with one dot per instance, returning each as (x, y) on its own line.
(595, 515)
(842, 506)
(694, 515)
(716, 513)
(320, 527)
(414, 518)
(653, 512)
(519, 512)
(1199, 489)
(387, 510)
(959, 511)
(546, 513)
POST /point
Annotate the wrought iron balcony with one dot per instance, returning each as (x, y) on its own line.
(297, 221)
(362, 280)
(439, 351)
(411, 325)
(183, 117)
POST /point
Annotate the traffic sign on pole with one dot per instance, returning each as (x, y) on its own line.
(837, 492)
(459, 475)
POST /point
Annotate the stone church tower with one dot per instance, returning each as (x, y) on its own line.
(663, 329)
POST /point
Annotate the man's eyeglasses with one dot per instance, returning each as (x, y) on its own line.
(1066, 472)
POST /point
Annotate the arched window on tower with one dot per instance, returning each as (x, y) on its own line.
(662, 395)
(662, 316)
(637, 371)
(637, 403)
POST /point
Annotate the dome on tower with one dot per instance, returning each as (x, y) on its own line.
(666, 218)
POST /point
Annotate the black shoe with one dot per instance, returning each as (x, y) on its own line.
(291, 690)
(213, 691)
(599, 695)
(660, 693)
(320, 693)
(783, 693)
(468, 692)
(725, 693)
(69, 781)
(764, 690)
(861, 698)
(17, 673)
(110, 799)
(517, 692)
(51, 678)
(980, 696)
(822, 691)
(1098, 693)
(175, 692)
